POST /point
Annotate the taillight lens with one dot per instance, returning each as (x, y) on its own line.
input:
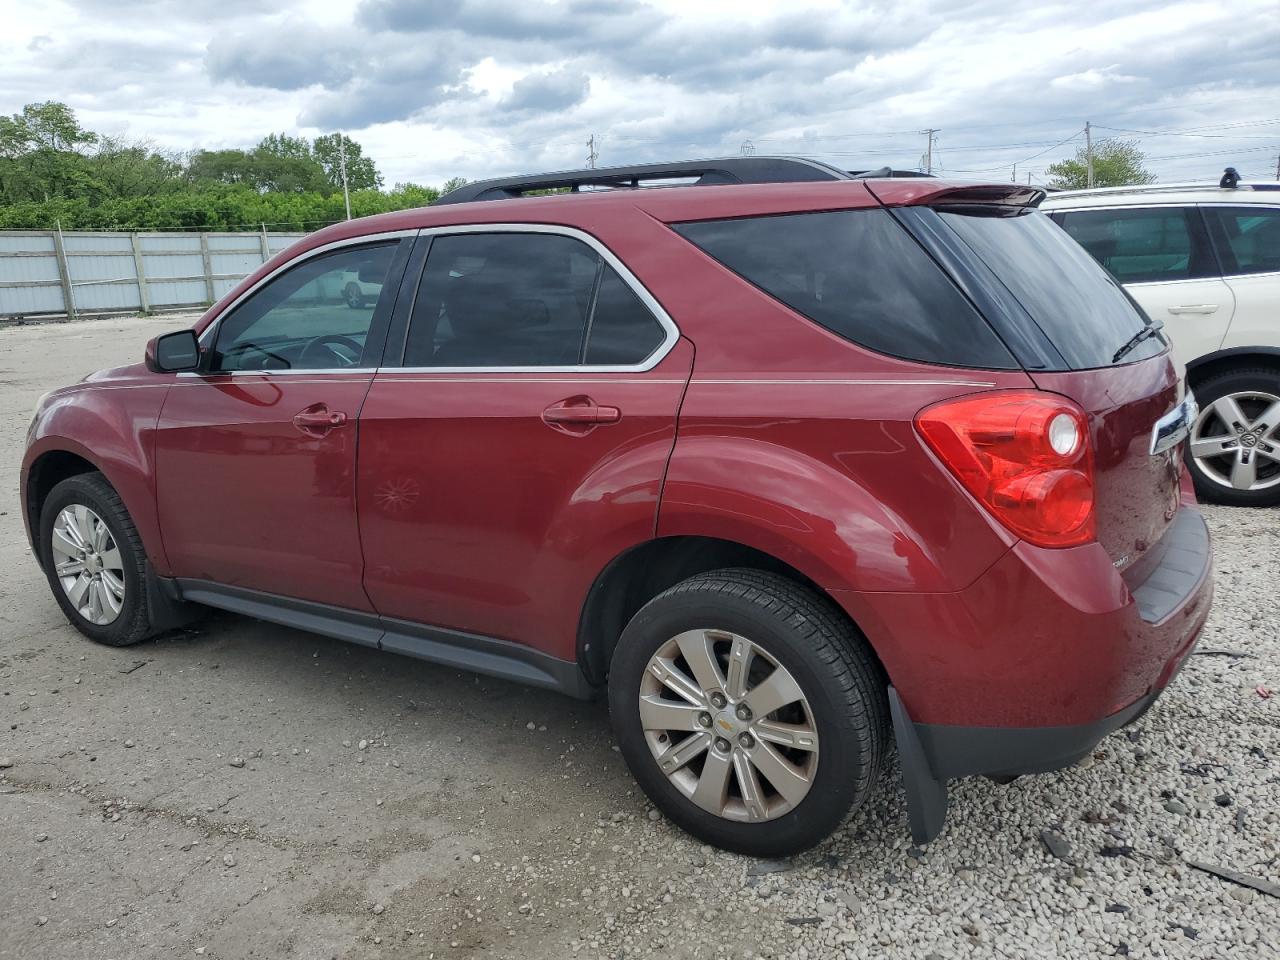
(1025, 456)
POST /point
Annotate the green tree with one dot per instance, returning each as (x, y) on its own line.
(124, 169)
(362, 173)
(1116, 163)
(286, 164)
(41, 153)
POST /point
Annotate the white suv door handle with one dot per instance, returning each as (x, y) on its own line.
(1195, 308)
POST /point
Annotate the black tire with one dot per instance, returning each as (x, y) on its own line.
(1264, 380)
(133, 623)
(353, 296)
(829, 659)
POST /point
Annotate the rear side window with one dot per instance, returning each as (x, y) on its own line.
(1079, 307)
(1141, 246)
(1252, 238)
(859, 274)
(525, 300)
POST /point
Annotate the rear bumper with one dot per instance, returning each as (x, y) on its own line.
(1101, 669)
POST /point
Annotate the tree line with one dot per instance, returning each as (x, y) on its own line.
(55, 172)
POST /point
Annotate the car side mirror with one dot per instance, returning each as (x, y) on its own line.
(173, 352)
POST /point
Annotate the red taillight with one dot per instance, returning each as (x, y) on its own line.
(1026, 456)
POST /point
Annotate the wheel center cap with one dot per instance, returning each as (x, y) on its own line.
(93, 563)
(1248, 439)
(725, 724)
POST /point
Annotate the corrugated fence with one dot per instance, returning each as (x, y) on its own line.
(51, 272)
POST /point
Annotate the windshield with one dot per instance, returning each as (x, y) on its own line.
(1080, 307)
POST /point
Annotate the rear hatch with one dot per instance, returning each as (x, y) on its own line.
(1078, 334)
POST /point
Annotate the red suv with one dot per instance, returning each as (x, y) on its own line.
(791, 462)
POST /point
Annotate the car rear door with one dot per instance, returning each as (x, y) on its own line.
(256, 455)
(520, 442)
(1163, 257)
(1247, 238)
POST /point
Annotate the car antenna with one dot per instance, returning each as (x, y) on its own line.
(1230, 179)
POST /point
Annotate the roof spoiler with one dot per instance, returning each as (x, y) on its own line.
(994, 194)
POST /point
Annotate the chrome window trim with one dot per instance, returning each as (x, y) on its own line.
(369, 238)
(664, 319)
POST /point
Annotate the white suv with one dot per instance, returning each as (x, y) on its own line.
(1205, 261)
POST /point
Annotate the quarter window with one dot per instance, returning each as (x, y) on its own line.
(314, 316)
(1141, 246)
(525, 300)
(1252, 238)
(860, 275)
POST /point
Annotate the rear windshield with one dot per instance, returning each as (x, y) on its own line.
(861, 275)
(1080, 307)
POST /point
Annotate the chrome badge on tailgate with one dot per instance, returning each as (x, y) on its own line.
(1174, 426)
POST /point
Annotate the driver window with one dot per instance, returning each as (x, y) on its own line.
(315, 316)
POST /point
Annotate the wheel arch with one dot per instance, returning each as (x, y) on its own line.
(643, 571)
(1221, 361)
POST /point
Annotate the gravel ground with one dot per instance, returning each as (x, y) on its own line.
(249, 790)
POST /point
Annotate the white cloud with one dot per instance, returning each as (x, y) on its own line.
(483, 87)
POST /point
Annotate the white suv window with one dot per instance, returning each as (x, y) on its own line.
(1249, 239)
(1148, 245)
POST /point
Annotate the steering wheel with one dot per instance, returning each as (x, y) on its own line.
(320, 352)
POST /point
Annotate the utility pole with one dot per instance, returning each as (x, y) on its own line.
(1088, 154)
(592, 156)
(932, 134)
(1278, 166)
(342, 165)
(1014, 178)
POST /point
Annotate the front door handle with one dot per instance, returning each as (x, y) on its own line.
(317, 420)
(1195, 308)
(579, 415)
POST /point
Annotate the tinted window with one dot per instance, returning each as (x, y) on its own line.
(623, 331)
(502, 300)
(1082, 310)
(860, 275)
(1252, 237)
(314, 316)
(1138, 246)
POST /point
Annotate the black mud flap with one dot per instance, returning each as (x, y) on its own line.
(926, 794)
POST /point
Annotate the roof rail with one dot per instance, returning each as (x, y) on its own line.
(720, 171)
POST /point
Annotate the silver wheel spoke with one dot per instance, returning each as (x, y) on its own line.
(71, 567)
(659, 714)
(111, 559)
(675, 680)
(1269, 419)
(713, 786)
(795, 735)
(64, 543)
(77, 590)
(114, 585)
(83, 525)
(774, 692)
(1229, 410)
(697, 648)
(786, 779)
(1212, 446)
(749, 787)
(1244, 473)
(680, 754)
(740, 654)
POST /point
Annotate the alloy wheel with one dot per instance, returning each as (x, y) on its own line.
(88, 564)
(728, 725)
(1235, 442)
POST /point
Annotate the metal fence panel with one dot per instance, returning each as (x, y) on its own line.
(47, 272)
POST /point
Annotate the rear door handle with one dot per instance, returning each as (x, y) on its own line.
(579, 415)
(1195, 308)
(317, 420)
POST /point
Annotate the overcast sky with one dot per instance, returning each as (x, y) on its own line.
(481, 88)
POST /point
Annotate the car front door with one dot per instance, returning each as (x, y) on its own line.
(256, 453)
(522, 441)
(1163, 257)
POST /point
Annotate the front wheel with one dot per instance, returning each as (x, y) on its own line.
(750, 711)
(94, 561)
(1234, 448)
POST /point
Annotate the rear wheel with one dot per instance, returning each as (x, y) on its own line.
(94, 561)
(1234, 448)
(749, 710)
